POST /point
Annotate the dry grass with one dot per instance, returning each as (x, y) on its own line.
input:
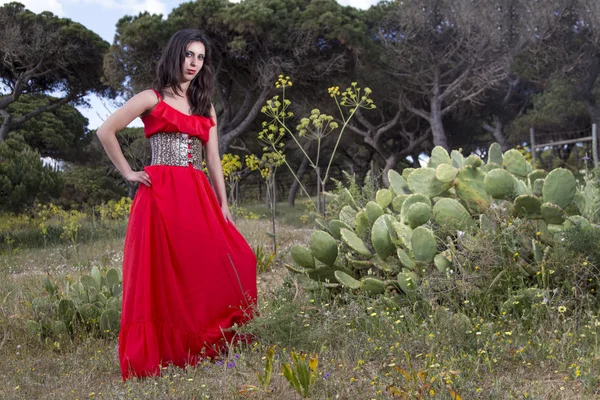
(359, 341)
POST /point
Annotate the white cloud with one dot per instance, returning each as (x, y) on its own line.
(126, 6)
(37, 6)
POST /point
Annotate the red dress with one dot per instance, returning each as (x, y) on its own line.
(188, 274)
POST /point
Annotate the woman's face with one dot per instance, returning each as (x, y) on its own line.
(194, 60)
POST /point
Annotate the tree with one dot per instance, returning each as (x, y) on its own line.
(444, 54)
(253, 42)
(24, 180)
(42, 53)
(61, 133)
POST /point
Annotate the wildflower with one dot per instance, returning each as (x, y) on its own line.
(231, 364)
(562, 309)
(327, 375)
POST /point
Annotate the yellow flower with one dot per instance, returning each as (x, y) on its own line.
(562, 309)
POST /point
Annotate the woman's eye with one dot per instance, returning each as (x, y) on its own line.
(201, 57)
(188, 54)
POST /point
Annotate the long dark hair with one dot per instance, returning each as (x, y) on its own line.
(168, 71)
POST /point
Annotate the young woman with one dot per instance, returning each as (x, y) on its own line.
(188, 274)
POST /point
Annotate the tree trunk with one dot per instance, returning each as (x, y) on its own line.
(390, 162)
(437, 127)
(498, 134)
(5, 127)
(296, 185)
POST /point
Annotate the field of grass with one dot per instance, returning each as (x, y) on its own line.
(367, 348)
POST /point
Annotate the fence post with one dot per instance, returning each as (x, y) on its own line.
(532, 144)
(595, 145)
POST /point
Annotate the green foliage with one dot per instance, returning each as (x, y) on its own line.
(91, 304)
(24, 180)
(303, 373)
(61, 134)
(398, 248)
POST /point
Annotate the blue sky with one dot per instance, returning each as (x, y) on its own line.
(101, 16)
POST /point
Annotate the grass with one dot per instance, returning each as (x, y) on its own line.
(368, 348)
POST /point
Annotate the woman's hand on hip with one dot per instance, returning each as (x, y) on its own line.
(139, 176)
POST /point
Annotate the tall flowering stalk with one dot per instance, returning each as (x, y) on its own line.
(316, 127)
(232, 167)
(267, 165)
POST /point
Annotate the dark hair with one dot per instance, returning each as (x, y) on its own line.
(168, 71)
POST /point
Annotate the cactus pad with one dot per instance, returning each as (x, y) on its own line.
(515, 163)
(495, 154)
(442, 263)
(445, 173)
(323, 247)
(355, 243)
(458, 161)
(383, 197)
(450, 213)
(470, 188)
(373, 210)
(398, 183)
(423, 181)
(418, 214)
(410, 200)
(439, 156)
(423, 245)
(499, 183)
(334, 228)
(347, 215)
(528, 206)
(302, 256)
(347, 280)
(380, 238)
(559, 187)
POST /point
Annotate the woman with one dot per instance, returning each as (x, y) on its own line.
(188, 274)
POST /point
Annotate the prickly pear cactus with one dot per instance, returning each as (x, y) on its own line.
(390, 244)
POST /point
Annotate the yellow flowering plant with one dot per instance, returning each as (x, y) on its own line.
(315, 127)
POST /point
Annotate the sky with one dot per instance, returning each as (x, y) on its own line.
(101, 16)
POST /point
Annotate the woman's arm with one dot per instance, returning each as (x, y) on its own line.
(118, 121)
(213, 163)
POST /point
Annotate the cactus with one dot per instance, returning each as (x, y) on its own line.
(109, 321)
(424, 181)
(361, 223)
(346, 198)
(521, 188)
(373, 286)
(407, 284)
(398, 201)
(535, 175)
(528, 206)
(439, 156)
(355, 243)
(442, 263)
(347, 215)
(347, 280)
(471, 189)
(383, 198)
(458, 161)
(473, 161)
(380, 238)
(302, 256)
(499, 183)
(406, 172)
(552, 213)
(334, 228)
(418, 214)
(405, 260)
(410, 200)
(559, 187)
(423, 245)
(323, 247)
(403, 232)
(515, 163)
(451, 214)
(398, 183)
(538, 187)
(374, 211)
(445, 173)
(495, 154)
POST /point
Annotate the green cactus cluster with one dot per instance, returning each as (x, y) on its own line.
(92, 302)
(391, 242)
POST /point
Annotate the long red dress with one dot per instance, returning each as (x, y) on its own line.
(188, 274)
